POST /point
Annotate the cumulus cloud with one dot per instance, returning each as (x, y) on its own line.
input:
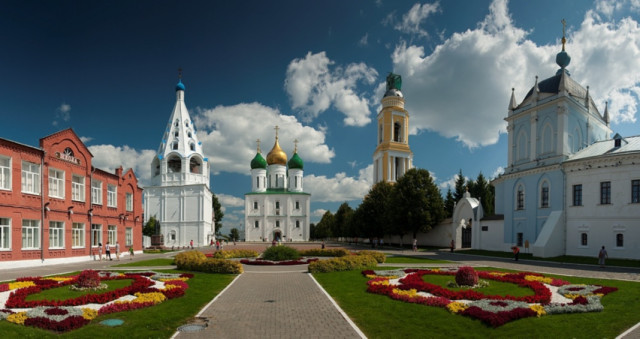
(109, 157)
(314, 86)
(497, 172)
(229, 133)
(340, 187)
(63, 113)
(364, 40)
(230, 200)
(319, 212)
(468, 77)
(85, 139)
(412, 20)
(450, 183)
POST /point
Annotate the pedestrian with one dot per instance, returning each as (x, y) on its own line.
(602, 255)
(131, 253)
(322, 244)
(100, 251)
(117, 251)
(107, 251)
(191, 243)
(516, 251)
(415, 244)
(453, 245)
(211, 243)
(217, 245)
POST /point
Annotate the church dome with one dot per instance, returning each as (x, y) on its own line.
(258, 162)
(180, 86)
(393, 93)
(277, 156)
(563, 59)
(296, 162)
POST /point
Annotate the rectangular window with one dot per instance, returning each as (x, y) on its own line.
(255, 205)
(584, 239)
(520, 237)
(129, 201)
(77, 188)
(56, 183)
(277, 223)
(129, 236)
(520, 202)
(96, 192)
(30, 234)
(277, 204)
(619, 240)
(113, 234)
(96, 235)
(56, 234)
(544, 197)
(5, 234)
(635, 191)
(485, 228)
(297, 205)
(577, 195)
(77, 235)
(5, 173)
(112, 196)
(30, 178)
(256, 224)
(605, 192)
(297, 223)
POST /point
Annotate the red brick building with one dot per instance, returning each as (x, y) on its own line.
(56, 207)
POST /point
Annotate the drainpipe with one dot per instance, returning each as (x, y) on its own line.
(90, 212)
(44, 153)
(564, 208)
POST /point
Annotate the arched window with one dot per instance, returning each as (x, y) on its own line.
(619, 240)
(189, 134)
(576, 139)
(544, 194)
(174, 164)
(547, 139)
(584, 239)
(520, 197)
(256, 224)
(522, 146)
(177, 123)
(174, 145)
(396, 132)
(195, 166)
(176, 133)
(380, 133)
(192, 146)
(297, 223)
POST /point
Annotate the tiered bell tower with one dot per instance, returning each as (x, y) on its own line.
(392, 157)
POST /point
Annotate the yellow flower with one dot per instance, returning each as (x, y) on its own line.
(571, 296)
(89, 313)
(371, 276)
(543, 280)
(59, 278)
(20, 284)
(539, 309)
(380, 282)
(498, 274)
(17, 318)
(155, 297)
(456, 307)
(169, 279)
(409, 293)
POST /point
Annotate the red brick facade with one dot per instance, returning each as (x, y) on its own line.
(46, 209)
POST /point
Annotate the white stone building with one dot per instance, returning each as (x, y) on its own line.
(179, 195)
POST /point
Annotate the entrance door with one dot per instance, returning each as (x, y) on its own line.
(466, 237)
(277, 236)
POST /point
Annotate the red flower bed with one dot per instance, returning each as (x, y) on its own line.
(4, 287)
(67, 324)
(119, 307)
(285, 262)
(498, 318)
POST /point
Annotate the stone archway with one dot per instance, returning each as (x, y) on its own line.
(277, 235)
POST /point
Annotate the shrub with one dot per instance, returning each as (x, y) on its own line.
(235, 253)
(333, 252)
(279, 253)
(466, 276)
(379, 256)
(88, 279)
(189, 260)
(197, 261)
(346, 263)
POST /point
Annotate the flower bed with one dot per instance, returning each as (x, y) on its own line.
(494, 310)
(259, 261)
(147, 289)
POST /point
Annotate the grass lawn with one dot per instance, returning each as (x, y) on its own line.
(63, 292)
(379, 316)
(413, 260)
(150, 262)
(565, 258)
(159, 321)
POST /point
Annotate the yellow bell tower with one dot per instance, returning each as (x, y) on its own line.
(392, 157)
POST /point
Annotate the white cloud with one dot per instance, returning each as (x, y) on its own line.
(412, 20)
(228, 135)
(340, 187)
(63, 113)
(497, 172)
(85, 139)
(450, 184)
(313, 87)
(109, 157)
(229, 200)
(364, 40)
(319, 212)
(462, 88)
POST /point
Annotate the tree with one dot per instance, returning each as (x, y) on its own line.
(371, 218)
(217, 213)
(449, 204)
(149, 228)
(324, 227)
(312, 231)
(341, 220)
(235, 234)
(460, 187)
(485, 192)
(417, 203)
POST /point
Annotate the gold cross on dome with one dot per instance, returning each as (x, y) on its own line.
(564, 40)
(277, 128)
(258, 142)
(295, 147)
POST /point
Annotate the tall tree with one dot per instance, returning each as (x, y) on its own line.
(417, 203)
(449, 204)
(341, 220)
(372, 216)
(461, 186)
(323, 228)
(235, 234)
(217, 211)
(149, 228)
(483, 191)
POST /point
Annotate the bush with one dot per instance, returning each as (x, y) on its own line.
(88, 279)
(346, 263)
(197, 261)
(227, 254)
(334, 252)
(466, 276)
(379, 256)
(279, 253)
(189, 260)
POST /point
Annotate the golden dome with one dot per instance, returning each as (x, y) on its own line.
(277, 156)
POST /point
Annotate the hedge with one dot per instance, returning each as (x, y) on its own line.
(197, 261)
(379, 256)
(346, 263)
(235, 253)
(334, 252)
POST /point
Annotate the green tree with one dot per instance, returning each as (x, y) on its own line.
(483, 190)
(341, 220)
(235, 234)
(149, 228)
(323, 228)
(449, 204)
(371, 218)
(312, 231)
(461, 186)
(217, 213)
(417, 203)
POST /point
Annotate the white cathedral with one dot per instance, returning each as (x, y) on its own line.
(277, 208)
(179, 196)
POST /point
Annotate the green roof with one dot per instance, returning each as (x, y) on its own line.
(296, 162)
(258, 162)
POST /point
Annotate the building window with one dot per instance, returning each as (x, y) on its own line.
(129, 201)
(619, 240)
(577, 195)
(584, 239)
(380, 133)
(544, 195)
(172, 235)
(30, 234)
(192, 146)
(112, 234)
(56, 183)
(128, 235)
(96, 192)
(255, 205)
(174, 145)
(297, 205)
(256, 224)
(520, 198)
(96, 235)
(277, 223)
(112, 196)
(520, 237)
(277, 204)
(77, 235)
(605, 193)
(56, 234)
(5, 173)
(30, 178)
(176, 133)
(77, 188)
(297, 223)
(635, 191)
(485, 228)
(5, 234)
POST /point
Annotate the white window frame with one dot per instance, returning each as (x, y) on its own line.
(129, 201)
(77, 187)
(77, 235)
(56, 183)
(30, 178)
(128, 235)
(96, 230)
(56, 234)
(112, 234)
(30, 234)
(96, 192)
(5, 173)
(112, 195)
(5, 234)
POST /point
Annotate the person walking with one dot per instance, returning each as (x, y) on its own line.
(117, 251)
(516, 252)
(131, 253)
(100, 251)
(453, 245)
(107, 251)
(602, 255)
(191, 243)
(415, 244)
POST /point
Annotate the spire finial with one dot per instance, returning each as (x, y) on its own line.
(180, 73)
(258, 147)
(277, 128)
(295, 146)
(564, 40)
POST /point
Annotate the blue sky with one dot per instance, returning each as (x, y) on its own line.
(315, 68)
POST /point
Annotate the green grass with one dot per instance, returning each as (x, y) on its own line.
(494, 288)
(400, 259)
(159, 321)
(379, 316)
(62, 293)
(150, 262)
(564, 259)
